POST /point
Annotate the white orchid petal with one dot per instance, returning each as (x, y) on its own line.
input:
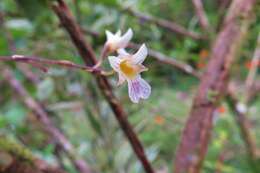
(138, 88)
(124, 40)
(114, 62)
(145, 88)
(121, 79)
(109, 35)
(122, 53)
(140, 55)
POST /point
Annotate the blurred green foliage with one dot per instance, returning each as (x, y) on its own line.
(77, 107)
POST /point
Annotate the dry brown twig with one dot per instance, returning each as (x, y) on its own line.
(254, 92)
(242, 121)
(196, 134)
(12, 48)
(88, 56)
(57, 136)
(171, 26)
(36, 61)
(240, 110)
(253, 69)
(203, 20)
(186, 68)
(162, 58)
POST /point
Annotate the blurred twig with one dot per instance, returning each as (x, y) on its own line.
(40, 61)
(253, 69)
(240, 111)
(87, 54)
(203, 20)
(56, 134)
(222, 8)
(222, 155)
(240, 116)
(255, 90)
(223, 4)
(29, 73)
(12, 48)
(171, 26)
(196, 134)
(164, 59)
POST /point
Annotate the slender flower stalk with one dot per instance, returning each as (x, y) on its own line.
(129, 68)
(40, 62)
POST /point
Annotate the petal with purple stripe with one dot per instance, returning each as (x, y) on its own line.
(138, 88)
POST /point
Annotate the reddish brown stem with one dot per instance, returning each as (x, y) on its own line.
(40, 61)
(57, 136)
(244, 125)
(253, 69)
(240, 112)
(87, 54)
(203, 20)
(255, 90)
(196, 134)
(12, 48)
(28, 73)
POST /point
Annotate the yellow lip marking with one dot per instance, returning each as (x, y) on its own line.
(129, 70)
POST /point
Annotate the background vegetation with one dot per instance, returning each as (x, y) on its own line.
(76, 106)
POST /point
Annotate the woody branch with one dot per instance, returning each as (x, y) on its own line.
(43, 61)
(88, 56)
(196, 134)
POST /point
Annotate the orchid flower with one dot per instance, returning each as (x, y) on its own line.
(116, 41)
(129, 68)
